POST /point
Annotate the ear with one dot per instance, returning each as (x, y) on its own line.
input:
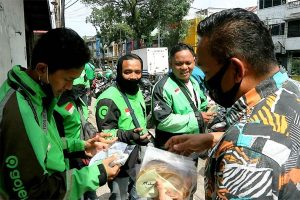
(41, 68)
(240, 69)
(170, 64)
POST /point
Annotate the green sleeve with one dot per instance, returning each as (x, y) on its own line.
(178, 123)
(73, 145)
(86, 179)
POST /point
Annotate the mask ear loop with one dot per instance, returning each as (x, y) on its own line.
(47, 77)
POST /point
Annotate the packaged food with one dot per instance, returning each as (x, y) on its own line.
(177, 173)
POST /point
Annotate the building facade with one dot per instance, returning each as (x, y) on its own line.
(21, 22)
(191, 37)
(283, 19)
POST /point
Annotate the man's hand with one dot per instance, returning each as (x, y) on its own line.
(161, 191)
(113, 171)
(208, 116)
(187, 144)
(133, 136)
(137, 130)
(141, 139)
(94, 145)
(106, 138)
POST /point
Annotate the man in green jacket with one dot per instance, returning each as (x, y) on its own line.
(31, 150)
(178, 104)
(114, 115)
(89, 70)
(71, 113)
(71, 116)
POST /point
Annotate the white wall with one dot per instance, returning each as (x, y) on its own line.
(274, 14)
(12, 36)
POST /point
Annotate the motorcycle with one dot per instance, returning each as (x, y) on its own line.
(146, 86)
(99, 85)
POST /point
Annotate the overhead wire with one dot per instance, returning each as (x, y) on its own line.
(72, 4)
(73, 11)
(66, 4)
(75, 16)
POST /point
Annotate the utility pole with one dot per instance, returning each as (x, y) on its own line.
(57, 14)
(62, 13)
(158, 34)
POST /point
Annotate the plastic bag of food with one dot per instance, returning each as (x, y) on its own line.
(177, 173)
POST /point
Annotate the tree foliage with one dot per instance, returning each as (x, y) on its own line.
(136, 19)
(295, 66)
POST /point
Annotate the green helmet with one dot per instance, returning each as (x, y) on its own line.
(90, 71)
(99, 75)
(108, 75)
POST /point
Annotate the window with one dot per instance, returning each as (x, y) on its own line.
(281, 31)
(261, 4)
(277, 29)
(294, 29)
(268, 3)
(276, 2)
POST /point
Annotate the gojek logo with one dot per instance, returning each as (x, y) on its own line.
(18, 187)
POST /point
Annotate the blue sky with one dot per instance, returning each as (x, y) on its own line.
(76, 14)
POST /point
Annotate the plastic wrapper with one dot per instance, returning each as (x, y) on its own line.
(177, 173)
(120, 149)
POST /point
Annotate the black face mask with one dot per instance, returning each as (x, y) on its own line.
(225, 99)
(128, 86)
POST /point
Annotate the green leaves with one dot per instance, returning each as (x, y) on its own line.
(136, 19)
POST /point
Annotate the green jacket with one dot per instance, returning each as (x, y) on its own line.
(71, 116)
(32, 164)
(112, 113)
(82, 80)
(171, 111)
(113, 116)
(67, 116)
(90, 71)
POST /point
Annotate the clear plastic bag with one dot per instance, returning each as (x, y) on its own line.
(177, 173)
(120, 149)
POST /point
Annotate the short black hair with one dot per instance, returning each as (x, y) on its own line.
(179, 47)
(238, 32)
(129, 56)
(60, 48)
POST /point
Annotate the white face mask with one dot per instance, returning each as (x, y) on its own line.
(46, 87)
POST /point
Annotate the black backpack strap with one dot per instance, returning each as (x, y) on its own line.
(18, 88)
(135, 121)
(197, 113)
(134, 157)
